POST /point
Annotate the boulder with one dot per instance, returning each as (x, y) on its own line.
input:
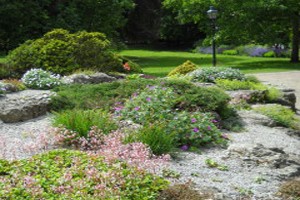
(24, 105)
(274, 158)
(88, 79)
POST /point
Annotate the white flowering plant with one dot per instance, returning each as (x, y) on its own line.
(40, 79)
(211, 74)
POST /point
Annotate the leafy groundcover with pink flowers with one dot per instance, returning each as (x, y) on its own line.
(69, 174)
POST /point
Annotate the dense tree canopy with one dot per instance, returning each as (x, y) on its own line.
(27, 19)
(244, 21)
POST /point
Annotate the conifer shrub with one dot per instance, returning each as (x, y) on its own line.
(183, 69)
(62, 52)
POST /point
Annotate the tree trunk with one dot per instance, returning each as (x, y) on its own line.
(295, 39)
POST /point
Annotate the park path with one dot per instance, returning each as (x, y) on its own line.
(283, 79)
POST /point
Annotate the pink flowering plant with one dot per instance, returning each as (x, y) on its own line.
(68, 174)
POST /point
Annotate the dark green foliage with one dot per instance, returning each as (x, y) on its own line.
(155, 136)
(61, 52)
(103, 95)
(61, 174)
(183, 69)
(44, 15)
(81, 121)
(199, 98)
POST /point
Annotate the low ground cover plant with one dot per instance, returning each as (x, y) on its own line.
(40, 79)
(2, 88)
(13, 85)
(67, 174)
(211, 74)
(280, 114)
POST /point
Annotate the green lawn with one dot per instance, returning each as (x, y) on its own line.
(159, 63)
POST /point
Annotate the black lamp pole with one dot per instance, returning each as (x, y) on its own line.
(212, 14)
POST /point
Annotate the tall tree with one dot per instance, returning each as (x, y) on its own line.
(26, 19)
(243, 21)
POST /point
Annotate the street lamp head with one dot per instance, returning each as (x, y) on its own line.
(212, 13)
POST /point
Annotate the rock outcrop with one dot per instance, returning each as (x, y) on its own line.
(88, 79)
(24, 105)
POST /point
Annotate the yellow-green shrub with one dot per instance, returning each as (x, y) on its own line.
(183, 69)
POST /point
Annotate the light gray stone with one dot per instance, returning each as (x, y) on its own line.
(24, 105)
(88, 79)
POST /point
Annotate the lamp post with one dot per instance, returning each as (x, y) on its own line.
(212, 14)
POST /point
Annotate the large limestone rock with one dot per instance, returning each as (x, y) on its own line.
(24, 105)
(88, 79)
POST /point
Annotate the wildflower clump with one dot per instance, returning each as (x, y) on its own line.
(40, 79)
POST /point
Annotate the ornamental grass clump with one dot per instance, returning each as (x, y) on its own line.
(81, 121)
(211, 74)
(40, 79)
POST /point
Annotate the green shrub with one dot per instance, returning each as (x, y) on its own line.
(5, 71)
(183, 69)
(239, 85)
(66, 174)
(81, 121)
(155, 136)
(2, 88)
(61, 52)
(130, 66)
(231, 52)
(280, 114)
(211, 74)
(269, 54)
(154, 103)
(40, 79)
(103, 95)
(203, 99)
(273, 94)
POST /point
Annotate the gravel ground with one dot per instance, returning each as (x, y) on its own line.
(244, 178)
(23, 139)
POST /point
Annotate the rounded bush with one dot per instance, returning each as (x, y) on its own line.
(211, 74)
(62, 52)
(183, 69)
(40, 79)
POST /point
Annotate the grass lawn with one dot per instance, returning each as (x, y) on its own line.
(160, 63)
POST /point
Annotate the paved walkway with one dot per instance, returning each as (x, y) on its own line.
(283, 79)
